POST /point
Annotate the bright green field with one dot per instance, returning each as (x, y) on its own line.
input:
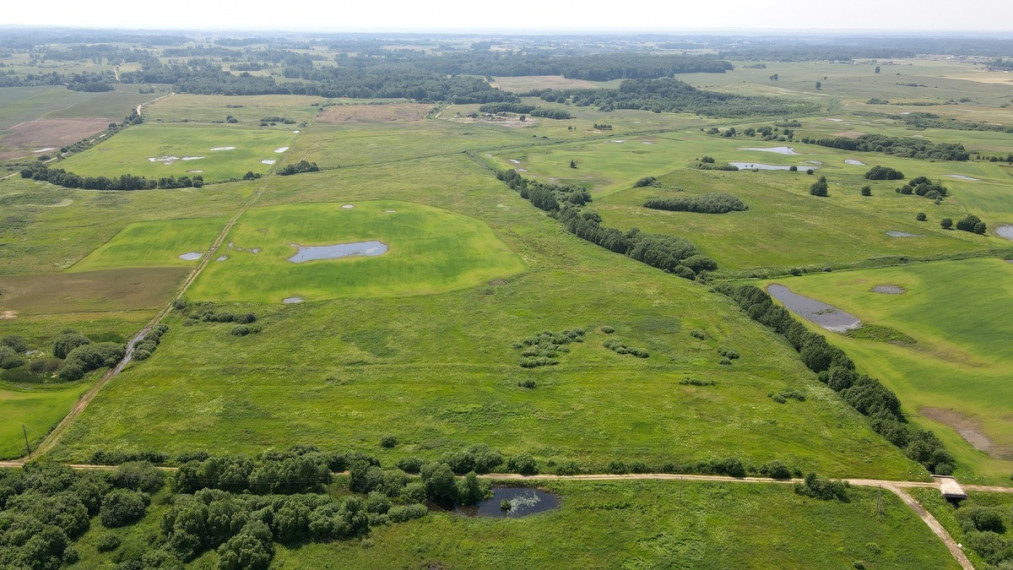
(154, 244)
(128, 152)
(960, 314)
(429, 251)
(38, 407)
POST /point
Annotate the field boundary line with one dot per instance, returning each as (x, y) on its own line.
(54, 436)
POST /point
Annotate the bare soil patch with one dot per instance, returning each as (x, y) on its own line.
(968, 428)
(25, 138)
(108, 290)
(849, 134)
(8, 315)
(401, 112)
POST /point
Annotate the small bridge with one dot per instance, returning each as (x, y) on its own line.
(950, 489)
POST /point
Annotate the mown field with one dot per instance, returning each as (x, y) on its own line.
(154, 244)
(954, 378)
(239, 150)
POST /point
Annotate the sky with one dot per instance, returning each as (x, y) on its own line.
(521, 15)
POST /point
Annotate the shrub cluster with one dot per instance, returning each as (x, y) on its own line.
(922, 186)
(819, 188)
(645, 182)
(88, 357)
(548, 197)
(544, 348)
(299, 167)
(822, 488)
(836, 370)
(971, 223)
(709, 203)
(883, 173)
(621, 348)
(46, 506)
(786, 394)
(695, 382)
(144, 349)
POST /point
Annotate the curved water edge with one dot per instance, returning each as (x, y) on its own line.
(524, 501)
(824, 315)
(1005, 231)
(337, 251)
(190, 256)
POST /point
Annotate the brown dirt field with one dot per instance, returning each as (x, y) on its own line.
(849, 134)
(108, 290)
(528, 82)
(401, 112)
(24, 138)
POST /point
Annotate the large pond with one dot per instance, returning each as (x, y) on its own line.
(337, 251)
(760, 166)
(523, 501)
(824, 315)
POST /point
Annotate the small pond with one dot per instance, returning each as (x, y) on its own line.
(853, 162)
(896, 234)
(523, 501)
(190, 256)
(889, 289)
(759, 166)
(962, 177)
(292, 300)
(337, 251)
(777, 149)
(824, 315)
(1005, 231)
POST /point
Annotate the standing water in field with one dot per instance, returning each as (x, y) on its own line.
(1005, 231)
(777, 149)
(826, 316)
(522, 501)
(316, 252)
(190, 256)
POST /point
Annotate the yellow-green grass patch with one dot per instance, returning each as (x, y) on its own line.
(430, 251)
(37, 407)
(155, 244)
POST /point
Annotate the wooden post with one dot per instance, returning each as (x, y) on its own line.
(25, 431)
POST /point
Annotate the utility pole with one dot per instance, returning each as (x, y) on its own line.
(879, 501)
(25, 431)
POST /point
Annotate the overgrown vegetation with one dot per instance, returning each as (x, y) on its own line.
(545, 348)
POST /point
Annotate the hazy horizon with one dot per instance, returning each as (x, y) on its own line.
(529, 17)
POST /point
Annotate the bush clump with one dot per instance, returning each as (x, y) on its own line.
(709, 203)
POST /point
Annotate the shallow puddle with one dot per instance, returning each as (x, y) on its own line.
(523, 501)
(889, 289)
(337, 251)
(1005, 231)
(776, 149)
(190, 256)
(896, 234)
(824, 315)
(759, 166)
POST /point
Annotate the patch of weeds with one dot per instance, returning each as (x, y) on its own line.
(695, 382)
(620, 348)
(784, 395)
(545, 348)
(879, 333)
(698, 335)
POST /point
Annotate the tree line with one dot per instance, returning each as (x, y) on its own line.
(709, 203)
(61, 177)
(905, 147)
(835, 369)
(671, 95)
